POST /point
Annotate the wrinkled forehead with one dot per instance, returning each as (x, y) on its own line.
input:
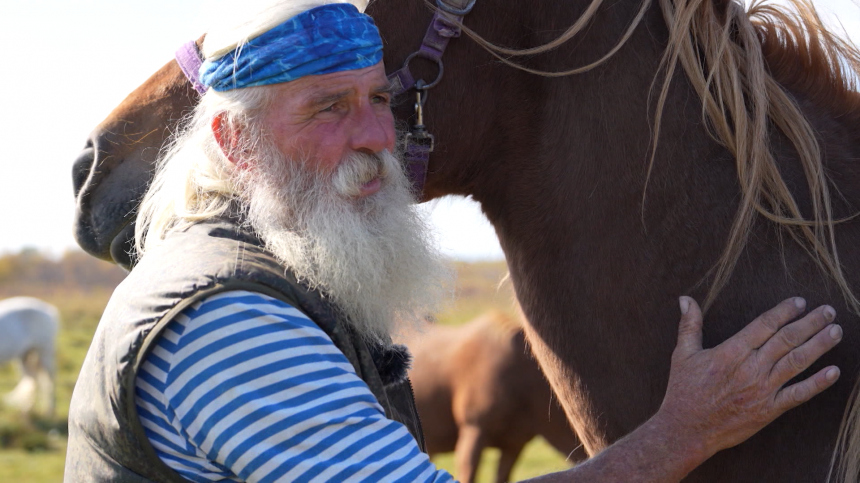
(312, 91)
(364, 79)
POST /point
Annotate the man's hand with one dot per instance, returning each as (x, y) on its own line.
(719, 397)
(728, 393)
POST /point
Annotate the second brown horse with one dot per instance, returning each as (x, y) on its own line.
(477, 386)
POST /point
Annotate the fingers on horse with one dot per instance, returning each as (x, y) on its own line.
(767, 324)
(795, 334)
(799, 359)
(797, 394)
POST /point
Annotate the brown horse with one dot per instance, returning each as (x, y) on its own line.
(477, 386)
(617, 189)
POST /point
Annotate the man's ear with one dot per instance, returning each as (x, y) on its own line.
(227, 137)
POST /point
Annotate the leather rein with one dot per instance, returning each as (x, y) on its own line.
(419, 142)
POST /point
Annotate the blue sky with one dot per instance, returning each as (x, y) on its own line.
(69, 62)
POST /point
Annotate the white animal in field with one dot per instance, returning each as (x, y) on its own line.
(28, 331)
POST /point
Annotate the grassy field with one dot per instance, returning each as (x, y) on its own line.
(32, 450)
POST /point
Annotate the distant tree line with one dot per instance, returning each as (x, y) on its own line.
(73, 270)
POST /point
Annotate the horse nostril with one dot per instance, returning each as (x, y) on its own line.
(82, 166)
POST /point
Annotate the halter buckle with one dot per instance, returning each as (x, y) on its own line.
(455, 11)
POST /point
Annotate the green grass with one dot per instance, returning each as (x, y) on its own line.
(538, 458)
(33, 450)
(32, 467)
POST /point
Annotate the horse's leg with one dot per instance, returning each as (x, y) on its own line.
(46, 370)
(46, 387)
(23, 396)
(467, 453)
(506, 462)
(46, 391)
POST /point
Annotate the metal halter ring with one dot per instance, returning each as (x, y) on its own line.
(427, 56)
(455, 11)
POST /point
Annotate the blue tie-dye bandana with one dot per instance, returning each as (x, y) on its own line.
(322, 40)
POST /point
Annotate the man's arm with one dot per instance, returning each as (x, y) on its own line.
(719, 397)
(229, 409)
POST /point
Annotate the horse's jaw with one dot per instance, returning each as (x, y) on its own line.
(122, 247)
(115, 248)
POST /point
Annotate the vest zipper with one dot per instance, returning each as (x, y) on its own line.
(421, 443)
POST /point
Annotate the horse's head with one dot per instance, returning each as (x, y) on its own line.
(112, 173)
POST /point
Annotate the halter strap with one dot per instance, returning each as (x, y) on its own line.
(445, 25)
(189, 59)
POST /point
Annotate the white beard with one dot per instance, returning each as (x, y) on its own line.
(372, 257)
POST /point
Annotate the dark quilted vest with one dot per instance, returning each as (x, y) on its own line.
(106, 440)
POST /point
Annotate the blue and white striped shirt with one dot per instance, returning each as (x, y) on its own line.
(243, 387)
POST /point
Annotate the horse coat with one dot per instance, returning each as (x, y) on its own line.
(106, 439)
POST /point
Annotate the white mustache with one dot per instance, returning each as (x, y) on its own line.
(357, 170)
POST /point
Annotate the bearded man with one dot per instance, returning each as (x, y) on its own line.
(278, 244)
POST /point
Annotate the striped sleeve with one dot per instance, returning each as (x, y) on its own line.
(243, 387)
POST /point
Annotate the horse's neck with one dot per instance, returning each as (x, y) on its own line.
(575, 218)
(587, 160)
(559, 166)
(839, 144)
(570, 213)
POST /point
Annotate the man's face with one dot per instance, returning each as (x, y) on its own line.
(324, 118)
(330, 200)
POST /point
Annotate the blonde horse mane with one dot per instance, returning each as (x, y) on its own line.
(751, 58)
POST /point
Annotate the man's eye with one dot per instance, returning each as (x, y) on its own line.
(381, 99)
(328, 109)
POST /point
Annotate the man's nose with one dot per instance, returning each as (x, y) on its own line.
(373, 130)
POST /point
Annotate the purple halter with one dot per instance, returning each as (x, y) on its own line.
(189, 59)
(444, 26)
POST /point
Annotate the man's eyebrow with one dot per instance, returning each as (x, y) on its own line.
(332, 97)
(387, 88)
(327, 98)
